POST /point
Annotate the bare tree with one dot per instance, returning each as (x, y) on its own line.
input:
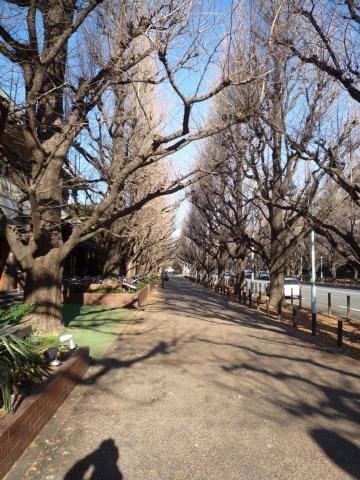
(326, 38)
(291, 111)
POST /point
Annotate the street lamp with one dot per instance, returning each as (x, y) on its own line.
(321, 267)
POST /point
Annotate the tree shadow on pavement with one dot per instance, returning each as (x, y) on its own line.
(341, 451)
(98, 465)
(109, 363)
(213, 308)
(280, 356)
(336, 402)
(302, 393)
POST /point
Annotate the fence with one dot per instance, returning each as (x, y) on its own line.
(334, 330)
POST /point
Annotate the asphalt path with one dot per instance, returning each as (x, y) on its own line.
(199, 388)
(338, 299)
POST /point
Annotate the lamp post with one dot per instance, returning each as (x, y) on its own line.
(252, 270)
(253, 254)
(321, 267)
(313, 285)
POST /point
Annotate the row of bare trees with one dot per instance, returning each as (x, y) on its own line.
(94, 95)
(293, 165)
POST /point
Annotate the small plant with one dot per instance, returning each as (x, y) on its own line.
(144, 282)
(14, 314)
(104, 290)
(38, 344)
(18, 365)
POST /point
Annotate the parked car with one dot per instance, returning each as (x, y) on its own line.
(292, 284)
(264, 276)
(248, 273)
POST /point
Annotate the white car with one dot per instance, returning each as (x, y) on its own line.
(264, 276)
(247, 273)
(292, 286)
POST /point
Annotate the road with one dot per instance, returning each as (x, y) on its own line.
(338, 299)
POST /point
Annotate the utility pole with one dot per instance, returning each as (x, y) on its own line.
(253, 254)
(313, 284)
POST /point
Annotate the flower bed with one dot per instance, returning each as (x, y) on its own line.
(18, 430)
(115, 300)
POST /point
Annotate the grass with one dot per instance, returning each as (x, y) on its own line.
(40, 343)
(95, 326)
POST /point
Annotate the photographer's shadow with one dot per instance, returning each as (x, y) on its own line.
(99, 464)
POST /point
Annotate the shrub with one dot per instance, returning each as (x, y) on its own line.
(38, 344)
(14, 314)
(18, 365)
(104, 290)
(144, 282)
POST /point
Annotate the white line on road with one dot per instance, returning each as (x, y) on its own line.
(334, 291)
(355, 309)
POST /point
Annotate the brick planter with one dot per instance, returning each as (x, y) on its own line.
(144, 293)
(18, 430)
(115, 300)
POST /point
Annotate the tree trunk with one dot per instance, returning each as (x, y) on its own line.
(240, 276)
(43, 288)
(111, 266)
(276, 281)
(356, 274)
(130, 268)
(333, 272)
(221, 274)
(10, 277)
(221, 264)
(277, 259)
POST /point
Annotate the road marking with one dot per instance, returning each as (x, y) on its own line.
(355, 309)
(334, 291)
(334, 294)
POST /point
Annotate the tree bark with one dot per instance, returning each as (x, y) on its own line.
(276, 283)
(10, 277)
(240, 276)
(278, 258)
(111, 266)
(130, 268)
(221, 264)
(43, 287)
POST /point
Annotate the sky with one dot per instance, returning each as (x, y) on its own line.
(218, 22)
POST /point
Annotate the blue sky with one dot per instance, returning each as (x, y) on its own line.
(184, 160)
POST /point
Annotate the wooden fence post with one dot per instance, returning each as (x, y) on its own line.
(295, 317)
(340, 334)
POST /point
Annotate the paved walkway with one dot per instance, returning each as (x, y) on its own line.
(197, 388)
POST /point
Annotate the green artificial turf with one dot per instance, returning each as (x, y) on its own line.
(95, 326)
